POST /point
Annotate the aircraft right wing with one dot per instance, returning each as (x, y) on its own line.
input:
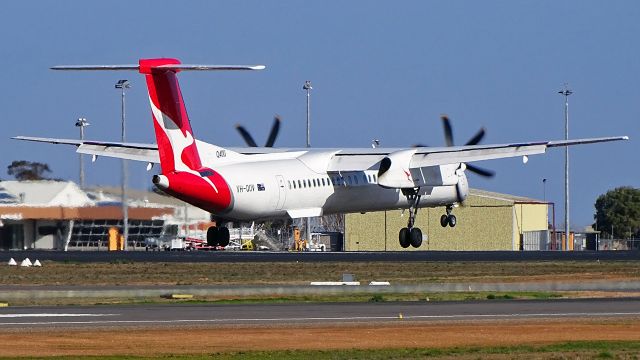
(368, 158)
(129, 151)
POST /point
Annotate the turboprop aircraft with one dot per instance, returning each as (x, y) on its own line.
(245, 184)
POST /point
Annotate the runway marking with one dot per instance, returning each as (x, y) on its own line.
(298, 319)
(51, 315)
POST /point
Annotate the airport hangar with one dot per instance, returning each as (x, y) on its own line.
(486, 221)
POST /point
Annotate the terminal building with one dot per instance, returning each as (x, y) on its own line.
(59, 215)
(487, 221)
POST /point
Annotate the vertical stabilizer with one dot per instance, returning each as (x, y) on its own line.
(176, 144)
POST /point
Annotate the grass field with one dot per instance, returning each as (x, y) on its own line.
(128, 273)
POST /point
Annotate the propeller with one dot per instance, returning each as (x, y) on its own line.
(448, 138)
(273, 134)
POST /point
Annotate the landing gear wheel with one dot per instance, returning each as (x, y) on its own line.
(452, 220)
(405, 241)
(444, 220)
(223, 236)
(213, 236)
(415, 237)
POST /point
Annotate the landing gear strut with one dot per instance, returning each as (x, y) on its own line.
(218, 236)
(448, 218)
(411, 236)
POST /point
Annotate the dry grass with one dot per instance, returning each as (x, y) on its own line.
(61, 273)
(215, 341)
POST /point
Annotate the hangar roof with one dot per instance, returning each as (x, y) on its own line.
(511, 199)
(43, 193)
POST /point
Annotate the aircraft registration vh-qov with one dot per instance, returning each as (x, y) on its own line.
(254, 183)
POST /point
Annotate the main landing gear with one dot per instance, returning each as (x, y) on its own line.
(218, 236)
(448, 218)
(411, 236)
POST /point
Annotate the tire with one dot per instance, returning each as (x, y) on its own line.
(415, 237)
(405, 242)
(213, 236)
(223, 236)
(444, 220)
(452, 220)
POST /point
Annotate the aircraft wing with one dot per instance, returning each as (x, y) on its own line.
(342, 159)
(367, 159)
(128, 151)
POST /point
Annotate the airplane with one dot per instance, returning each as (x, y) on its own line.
(258, 183)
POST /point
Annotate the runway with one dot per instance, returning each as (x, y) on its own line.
(28, 318)
(258, 256)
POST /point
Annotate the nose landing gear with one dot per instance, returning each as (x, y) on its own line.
(448, 218)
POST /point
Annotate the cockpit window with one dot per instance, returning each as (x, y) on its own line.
(206, 173)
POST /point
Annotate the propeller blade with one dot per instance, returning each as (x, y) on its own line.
(448, 132)
(480, 171)
(476, 138)
(246, 136)
(275, 128)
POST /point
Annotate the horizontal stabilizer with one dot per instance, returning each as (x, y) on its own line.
(174, 67)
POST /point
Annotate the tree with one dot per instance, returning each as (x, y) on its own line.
(618, 211)
(27, 170)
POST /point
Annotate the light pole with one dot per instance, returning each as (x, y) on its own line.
(544, 190)
(307, 87)
(81, 123)
(566, 92)
(123, 85)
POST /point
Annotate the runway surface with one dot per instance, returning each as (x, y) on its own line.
(310, 313)
(257, 256)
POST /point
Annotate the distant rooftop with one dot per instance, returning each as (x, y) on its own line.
(503, 197)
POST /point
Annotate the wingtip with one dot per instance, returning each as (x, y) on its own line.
(625, 138)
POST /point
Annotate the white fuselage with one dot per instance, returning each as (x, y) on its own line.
(273, 188)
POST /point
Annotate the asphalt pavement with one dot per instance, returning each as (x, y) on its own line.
(27, 318)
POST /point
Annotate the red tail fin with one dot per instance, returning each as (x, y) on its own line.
(176, 144)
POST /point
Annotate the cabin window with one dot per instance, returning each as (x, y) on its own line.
(299, 184)
(314, 183)
(323, 184)
(369, 177)
(375, 178)
(294, 184)
(289, 182)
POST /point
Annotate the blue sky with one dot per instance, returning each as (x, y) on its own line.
(383, 70)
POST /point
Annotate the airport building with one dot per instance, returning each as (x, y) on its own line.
(60, 215)
(487, 221)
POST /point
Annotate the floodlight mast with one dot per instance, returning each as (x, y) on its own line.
(123, 85)
(82, 123)
(566, 92)
(307, 87)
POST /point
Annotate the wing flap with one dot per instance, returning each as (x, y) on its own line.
(120, 152)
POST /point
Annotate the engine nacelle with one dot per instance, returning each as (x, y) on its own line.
(395, 170)
(205, 189)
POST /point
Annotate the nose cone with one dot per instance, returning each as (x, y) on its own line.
(161, 181)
